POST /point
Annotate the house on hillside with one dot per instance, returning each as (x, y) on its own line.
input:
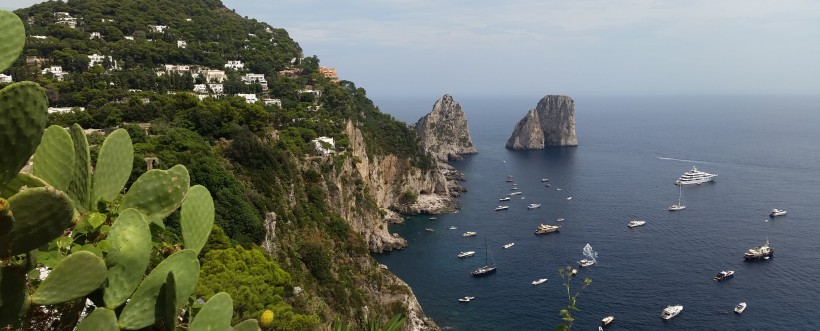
(235, 65)
(38, 37)
(95, 58)
(275, 102)
(182, 44)
(96, 35)
(66, 19)
(200, 88)
(324, 145)
(213, 76)
(249, 98)
(292, 72)
(157, 28)
(5, 78)
(329, 73)
(35, 60)
(56, 71)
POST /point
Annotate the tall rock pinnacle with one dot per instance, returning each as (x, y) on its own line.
(443, 133)
(551, 123)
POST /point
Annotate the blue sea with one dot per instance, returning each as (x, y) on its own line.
(765, 149)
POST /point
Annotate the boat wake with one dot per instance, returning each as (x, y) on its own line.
(683, 160)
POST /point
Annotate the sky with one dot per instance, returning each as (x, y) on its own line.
(395, 48)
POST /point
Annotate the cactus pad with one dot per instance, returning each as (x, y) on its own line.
(197, 217)
(101, 319)
(54, 158)
(157, 193)
(128, 257)
(6, 220)
(80, 189)
(247, 325)
(113, 167)
(168, 294)
(40, 215)
(77, 275)
(146, 307)
(23, 111)
(12, 293)
(215, 314)
(18, 182)
(13, 35)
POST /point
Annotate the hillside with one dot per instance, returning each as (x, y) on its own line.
(235, 101)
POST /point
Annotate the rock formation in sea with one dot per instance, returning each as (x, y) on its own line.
(443, 133)
(551, 123)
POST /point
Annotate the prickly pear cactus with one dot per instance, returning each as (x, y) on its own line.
(101, 319)
(113, 167)
(214, 315)
(83, 270)
(247, 325)
(197, 217)
(158, 193)
(54, 155)
(80, 189)
(18, 182)
(40, 215)
(13, 35)
(128, 257)
(23, 110)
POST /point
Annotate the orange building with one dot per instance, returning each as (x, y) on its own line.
(330, 73)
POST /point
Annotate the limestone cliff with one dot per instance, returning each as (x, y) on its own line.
(443, 133)
(551, 123)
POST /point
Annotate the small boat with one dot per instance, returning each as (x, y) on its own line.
(740, 307)
(466, 299)
(514, 188)
(558, 189)
(433, 218)
(671, 311)
(428, 229)
(569, 198)
(539, 281)
(453, 227)
(723, 275)
(585, 263)
(542, 229)
(487, 268)
(777, 212)
(559, 220)
(679, 205)
(466, 254)
(607, 320)
(509, 179)
(533, 205)
(504, 199)
(759, 252)
(634, 223)
(469, 234)
(695, 176)
(508, 245)
(502, 208)
(547, 185)
(544, 180)
(517, 193)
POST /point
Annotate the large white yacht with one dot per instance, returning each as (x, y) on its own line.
(759, 252)
(695, 176)
(636, 222)
(671, 311)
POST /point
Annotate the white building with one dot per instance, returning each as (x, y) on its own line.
(235, 65)
(217, 88)
(277, 102)
(63, 109)
(99, 59)
(157, 28)
(57, 71)
(254, 79)
(213, 76)
(200, 88)
(324, 145)
(38, 37)
(182, 44)
(129, 37)
(95, 35)
(249, 98)
(311, 91)
(5, 78)
(177, 69)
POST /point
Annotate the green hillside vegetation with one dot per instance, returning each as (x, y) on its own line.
(253, 158)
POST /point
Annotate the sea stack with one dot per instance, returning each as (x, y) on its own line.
(443, 133)
(551, 123)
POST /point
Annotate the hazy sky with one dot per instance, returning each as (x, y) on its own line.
(538, 47)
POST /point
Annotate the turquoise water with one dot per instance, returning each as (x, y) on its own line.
(765, 150)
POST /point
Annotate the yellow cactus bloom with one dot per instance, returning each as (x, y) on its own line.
(267, 318)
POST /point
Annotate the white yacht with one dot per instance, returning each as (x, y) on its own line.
(539, 281)
(585, 263)
(502, 208)
(777, 212)
(453, 227)
(679, 205)
(466, 299)
(543, 180)
(723, 275)
(671, 311)
(607, 320)
(759, 252)
(517, 193)
(559, 220)
(504, 199)
(740, 307)
(509, 245)
(542, 229)
(695, 176)
(534, 205)
(469, 234)
(466, 254)
(634, 223)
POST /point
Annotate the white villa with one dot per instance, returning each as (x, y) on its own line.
(95, 35)
(99, 59)
(38, 37)
(214, 76)
(254, 79)
(235, 65)
(324, 145)
(158, 28)
(249, 98)
(5, 78)
(57, 71)
(277, 102)
(182, 44)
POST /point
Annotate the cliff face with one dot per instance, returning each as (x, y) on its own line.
(551, 123)
(443, 133)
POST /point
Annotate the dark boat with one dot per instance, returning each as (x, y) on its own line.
(486, 269)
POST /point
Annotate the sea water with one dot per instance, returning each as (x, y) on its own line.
(765, 150)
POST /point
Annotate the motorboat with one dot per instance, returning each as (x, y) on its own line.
(433, 218)
(723, 275)
(607, 320)
(466, 299)
(634, 223)
(539, 281)
(453, 227)
(469, 234)
(543, 229)
(509, 179)
(428, 229)
(517, 193)
(759, 252)
(585, 263)
(777, 212)
(502, 208)
(514, 188)
(466, 254)
(508, 245)
(559, 220)
(558, 189)
(695, 176)
(569, 198)
(740, 307)
(504, 199)
(487, 268)
(533, 205)
(544, 180)
(671, 311)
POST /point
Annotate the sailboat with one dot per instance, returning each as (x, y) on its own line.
(486, 269)
(679, 205)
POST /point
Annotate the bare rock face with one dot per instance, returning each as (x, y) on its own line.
(551, 123)
(443, 133)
